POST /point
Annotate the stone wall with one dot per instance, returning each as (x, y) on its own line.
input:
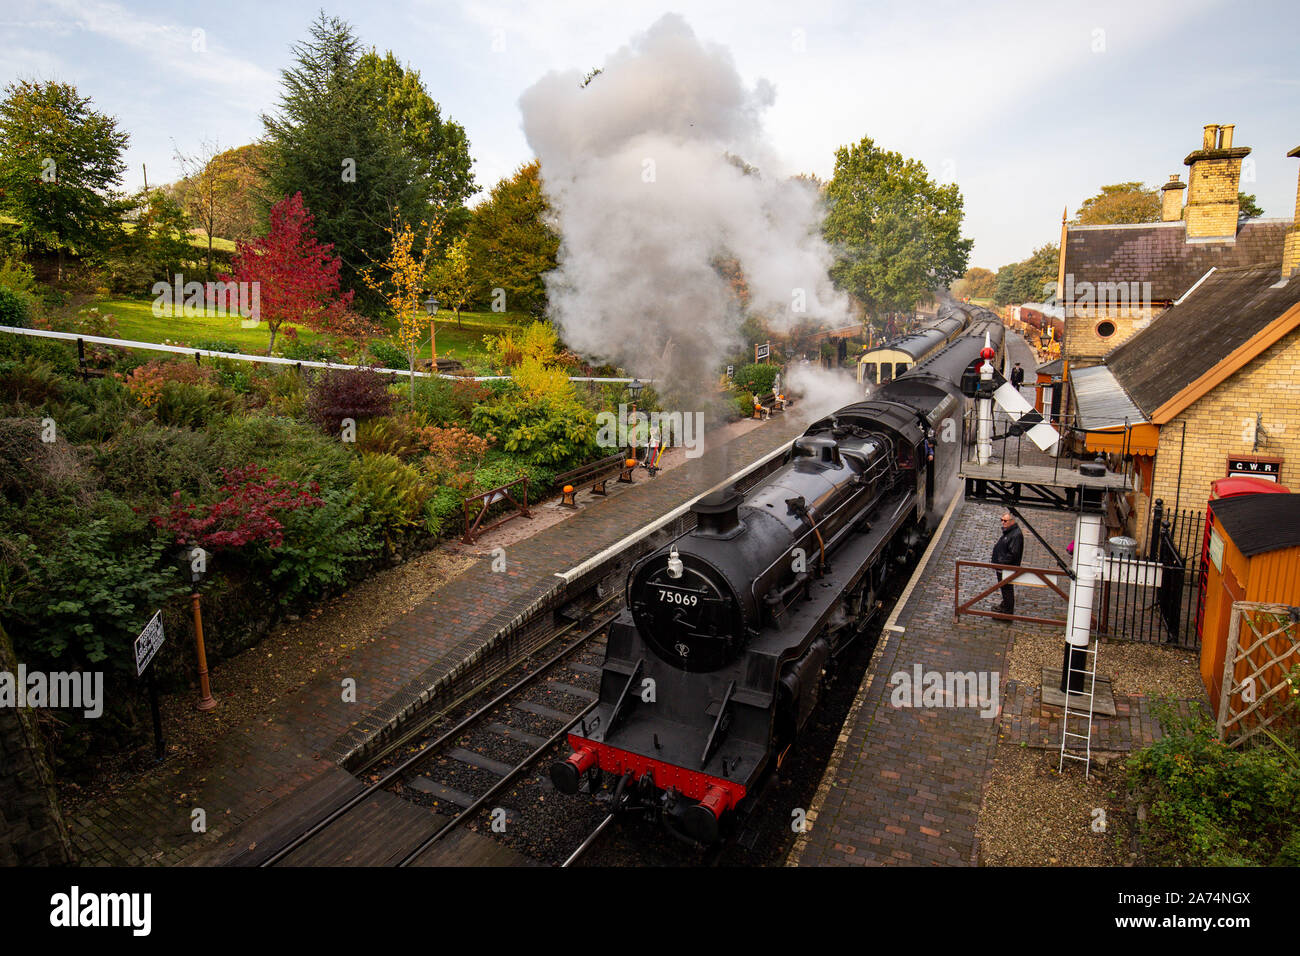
(32, 832)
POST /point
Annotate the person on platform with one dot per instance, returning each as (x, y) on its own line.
(1017, 377)
(1009, 549)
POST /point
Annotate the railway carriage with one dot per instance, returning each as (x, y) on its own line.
(895, 357)
(730, 630)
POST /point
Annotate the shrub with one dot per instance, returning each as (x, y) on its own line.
(31, 381)
(393, 435)
(150, 461)
(337, 394)
(15, 308)
(1210, 803)
(247, 511)
(322, 547)
(217, 345)
(541, 432)
(183, 404)
(300, 351)
(444, 511)
(444, 402)
(451, 448)
(755, 378)
(388, 354)
(293, 450)
(145, 382)
(392, 495)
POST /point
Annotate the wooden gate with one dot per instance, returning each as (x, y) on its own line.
(1264, 647)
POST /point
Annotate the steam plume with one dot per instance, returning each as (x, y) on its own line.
(657, 171)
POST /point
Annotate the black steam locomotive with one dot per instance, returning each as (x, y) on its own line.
(720, 655)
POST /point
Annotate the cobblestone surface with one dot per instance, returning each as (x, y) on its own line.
(157, 819)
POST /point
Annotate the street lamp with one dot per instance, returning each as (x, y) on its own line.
(431, 309)
(634, 389)
(194, 560)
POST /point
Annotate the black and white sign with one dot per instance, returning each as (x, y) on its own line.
(1270, 469)
(761, 352)
(147, 644)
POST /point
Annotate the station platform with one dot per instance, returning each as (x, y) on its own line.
(295, 757)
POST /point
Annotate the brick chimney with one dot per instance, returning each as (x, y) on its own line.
(1291, 246)
(1213, 182)
(1171, 200)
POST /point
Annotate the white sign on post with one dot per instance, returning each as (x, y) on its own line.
(761, 352)
(147, 644)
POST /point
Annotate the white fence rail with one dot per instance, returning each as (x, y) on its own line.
(267, 359)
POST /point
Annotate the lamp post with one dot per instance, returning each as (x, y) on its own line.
(633, 389)
(431, 308)
(195, 560)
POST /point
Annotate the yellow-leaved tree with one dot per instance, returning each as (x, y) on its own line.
(452, 278)
(400, 280)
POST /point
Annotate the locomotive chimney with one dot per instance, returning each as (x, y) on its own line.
(717, 515)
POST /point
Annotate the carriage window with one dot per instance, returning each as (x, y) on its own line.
(900, 368)
(869, 370)
(886, 371)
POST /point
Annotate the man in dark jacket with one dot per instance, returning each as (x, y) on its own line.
(1017, 377)
(1009, 549)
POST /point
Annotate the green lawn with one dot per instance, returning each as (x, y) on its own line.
(135, 320)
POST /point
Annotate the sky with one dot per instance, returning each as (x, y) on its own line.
(1030, 107)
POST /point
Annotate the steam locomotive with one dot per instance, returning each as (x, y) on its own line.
(730, 630)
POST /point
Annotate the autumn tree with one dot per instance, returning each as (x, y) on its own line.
(297, 276)
(896, 233)
(1118, 204)
(1031, 280)
(454, 279)
(511, 246)
(400, 278)
(60, 168)
(210, 192)
(977, 283)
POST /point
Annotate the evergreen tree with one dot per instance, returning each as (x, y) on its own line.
(510, 244)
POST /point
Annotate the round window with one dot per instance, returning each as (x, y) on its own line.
(1105, 329)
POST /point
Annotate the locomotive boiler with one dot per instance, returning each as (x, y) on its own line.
(730, 630)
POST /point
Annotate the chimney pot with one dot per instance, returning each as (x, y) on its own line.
(1225, 136)
(1211, 129)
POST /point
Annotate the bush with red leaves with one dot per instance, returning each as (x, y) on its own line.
(245, 514)
(340, 393)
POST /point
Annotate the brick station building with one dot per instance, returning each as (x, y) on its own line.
(1208, 387)
(1113, 280)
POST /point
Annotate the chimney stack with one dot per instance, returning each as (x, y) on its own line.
(1171, 200)
(1291, 245)
(1213, 182)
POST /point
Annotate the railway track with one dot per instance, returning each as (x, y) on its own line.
(466, 759)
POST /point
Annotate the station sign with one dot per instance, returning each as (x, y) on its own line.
(761, 352)
(148, 643)
(1270, 469)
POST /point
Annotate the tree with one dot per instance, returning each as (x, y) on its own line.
(1005, 285)
(155, 245)
(359, 137)
(1036, 276)
(977, 283)
(1120, 203)
(510, 244)
(297, 277)
(400, 280)
(210, 190)
(1249, 209)
(239, 179)
(60, 162)
(453, 278)
(896, 233)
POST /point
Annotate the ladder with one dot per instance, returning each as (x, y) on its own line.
(1076, 725)
(1078, 736)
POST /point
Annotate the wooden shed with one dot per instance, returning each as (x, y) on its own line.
(1253, 551)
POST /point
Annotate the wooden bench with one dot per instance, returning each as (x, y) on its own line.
(597, 472)
(765, 405)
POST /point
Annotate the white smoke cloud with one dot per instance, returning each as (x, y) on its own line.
(820, 391)
(643, 168)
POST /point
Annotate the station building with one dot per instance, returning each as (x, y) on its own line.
(1209, 386)
(1114, 280)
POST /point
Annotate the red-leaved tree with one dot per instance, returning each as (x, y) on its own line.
(245, 514)
(296, 275)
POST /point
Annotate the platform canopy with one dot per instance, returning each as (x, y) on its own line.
(1111, 420)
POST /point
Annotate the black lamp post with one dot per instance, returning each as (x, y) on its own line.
(194, 561)
(633, 389)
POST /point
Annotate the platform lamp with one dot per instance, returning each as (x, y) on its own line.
(431, 308)
(634, 390)
(194, 561)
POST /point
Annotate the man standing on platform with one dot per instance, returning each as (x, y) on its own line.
(1017, 377)
(1009, 549)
